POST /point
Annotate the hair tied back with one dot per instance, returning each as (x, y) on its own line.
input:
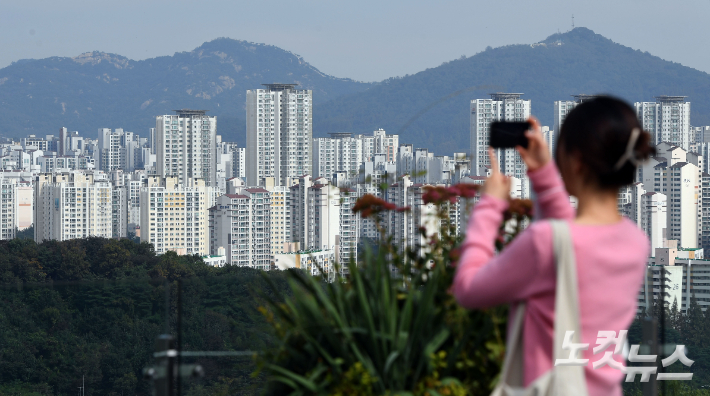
(629, 154)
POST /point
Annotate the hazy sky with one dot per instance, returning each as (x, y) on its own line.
(365, 40)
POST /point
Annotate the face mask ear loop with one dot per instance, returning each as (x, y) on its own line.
(629, 153)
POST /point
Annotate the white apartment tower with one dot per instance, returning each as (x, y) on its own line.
(16, 201)
(186, 146)
(315, 213)
(404, 226)
(677, 175)
(386, 144)
(279, 133)
(349, 228)
(667, 119)
(113, 149)
(683, 203)
(705, 212)
(654, 218)
(239, 223)
(239, 163)
(317, 218)
(339, 153)
(174, 215)
(500, 107)
(72, 205)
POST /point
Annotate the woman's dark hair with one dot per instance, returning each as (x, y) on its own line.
(597, 132)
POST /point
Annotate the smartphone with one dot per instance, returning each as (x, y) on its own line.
(506, 134)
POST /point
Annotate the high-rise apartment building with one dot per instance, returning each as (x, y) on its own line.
(500, 107)
(316, 210)
(33, 142)
(377, 172)
(186, 146)
(239, 223)
(667, 119)
(151, 141)
(705, 212)
(630, 202)
(677, 174)
(111, 153)
(386, 144)
(119, 211)
(279, 133)
(233, 159)
(239, 162)
(63, 136)
(174, 215)
(654, 218)
(699, 134)
(339, 153)
(683, 204)
(280, 218)
(405, 226)
(349, 229)
(16, 202)
(72, 205)
(117, 149)
(51, 163)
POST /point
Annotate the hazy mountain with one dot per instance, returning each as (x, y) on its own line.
(99, 90)
(431, 109)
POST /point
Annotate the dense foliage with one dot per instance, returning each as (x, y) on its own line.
(692, 330)
(99, 90)
(93, 307)
(437, 101)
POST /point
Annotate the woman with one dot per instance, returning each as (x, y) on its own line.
(599, 146)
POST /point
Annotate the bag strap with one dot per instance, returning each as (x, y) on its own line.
(566, 309)
(571, 378)
(512, 372)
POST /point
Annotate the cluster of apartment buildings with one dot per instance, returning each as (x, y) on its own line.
(286, 199)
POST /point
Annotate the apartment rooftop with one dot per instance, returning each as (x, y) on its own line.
(340, 135)
(503, 96)
(189, 112)
(279, 86)
(303, 252)
(670, 99)
(581, 98)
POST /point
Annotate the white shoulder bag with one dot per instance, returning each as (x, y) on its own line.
(560, 380)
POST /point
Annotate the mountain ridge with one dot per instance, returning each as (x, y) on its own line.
(97, 89)
(428, 109)
(431, 108)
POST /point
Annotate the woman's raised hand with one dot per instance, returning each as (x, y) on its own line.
(497, 184)
(537, 154)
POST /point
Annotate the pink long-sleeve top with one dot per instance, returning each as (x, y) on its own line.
(611, 261)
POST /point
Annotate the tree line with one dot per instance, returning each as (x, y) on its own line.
(92, 308)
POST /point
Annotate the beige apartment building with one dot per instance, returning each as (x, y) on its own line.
(174, 215)
(72, 205)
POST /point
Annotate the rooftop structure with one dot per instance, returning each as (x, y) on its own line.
(279, 87)
(189, 112)
(670, 99)
(581, 98)
(503, 96)
(340, 135)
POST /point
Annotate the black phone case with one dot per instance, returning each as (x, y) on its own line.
(506, 138)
